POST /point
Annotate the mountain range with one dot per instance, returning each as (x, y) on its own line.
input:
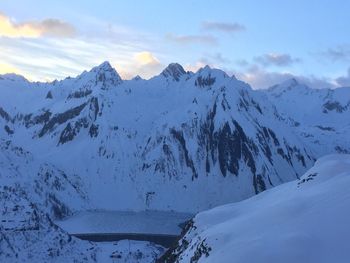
(179, 141)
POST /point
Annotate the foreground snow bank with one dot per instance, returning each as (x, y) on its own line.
(302, 221)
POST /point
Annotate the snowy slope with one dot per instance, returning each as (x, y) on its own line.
(181, 140)
(302, 221)
(321, 117)
(32, 195)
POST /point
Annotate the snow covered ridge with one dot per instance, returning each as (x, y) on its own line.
(320, 117)
(159, 142)
(181, 140)
(32, 195)
(306, 220)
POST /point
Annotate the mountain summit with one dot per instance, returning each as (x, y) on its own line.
(105, 74)
(174, 71)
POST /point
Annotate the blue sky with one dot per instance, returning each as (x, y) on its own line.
(261, 42)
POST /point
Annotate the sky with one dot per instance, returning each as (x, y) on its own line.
(260, 42)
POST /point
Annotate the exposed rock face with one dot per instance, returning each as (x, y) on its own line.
(4, 114)
(205, 81)
(334, 106)
(60, 119)
(106, 74)
(173, 71)
(49, 95)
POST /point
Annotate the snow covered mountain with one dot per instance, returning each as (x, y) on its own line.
(32, 195)
(183, 141)
(302, 221)
(320, 117)
(179, 141)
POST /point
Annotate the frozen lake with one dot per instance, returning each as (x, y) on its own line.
(125, 222)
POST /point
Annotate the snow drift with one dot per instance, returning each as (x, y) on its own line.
(306, 220)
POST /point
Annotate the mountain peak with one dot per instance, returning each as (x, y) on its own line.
(292, 82)
(106, 73)
(210, 73)
(173, 70)
(291, 85)
(296, 85)
(13, 77)
(104, 66)
(137, 78)
(206, 70)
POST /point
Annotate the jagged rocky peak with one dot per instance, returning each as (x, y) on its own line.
(137, 78)
(106, 73)
(173, 70)
(104, 66)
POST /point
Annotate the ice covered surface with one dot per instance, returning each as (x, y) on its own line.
(302, 221)
(146, 222)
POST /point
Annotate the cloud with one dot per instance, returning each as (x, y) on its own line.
(195, 67)
(144, 63)
(43, 59)
(219, 58)
(146, 58)
(242, 62)
(259, 78)
(55, 27)
(344, 81)
(223, 27)
(340, 53)
(192, 39)
(275, 59)
(146, 71)
(215, 60)
(207, 39)
(34, 29)
(47, 58)
(6, 68)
